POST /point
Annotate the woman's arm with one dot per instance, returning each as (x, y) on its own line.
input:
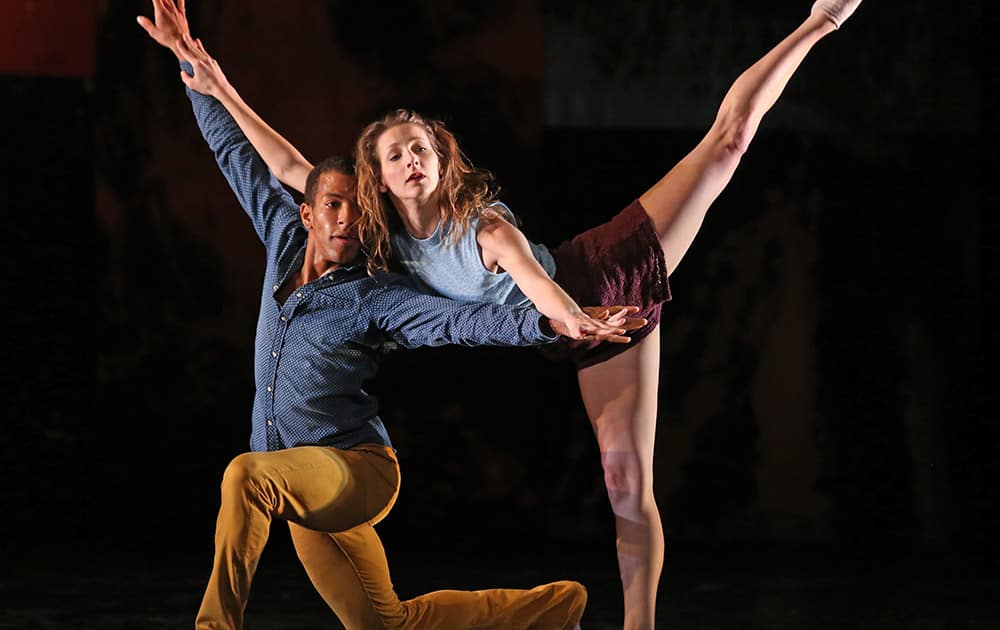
(284, 160)
(503, 242)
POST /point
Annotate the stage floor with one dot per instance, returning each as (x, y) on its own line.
(767, 590)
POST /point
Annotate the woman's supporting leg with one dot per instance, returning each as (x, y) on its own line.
(678, 202)
(620, 396)
(351, 574)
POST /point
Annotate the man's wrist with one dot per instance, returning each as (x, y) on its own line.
(175, 47)
(545, 327)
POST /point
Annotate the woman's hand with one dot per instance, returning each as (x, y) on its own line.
(169, 24)
(602, 323)
(208, 76)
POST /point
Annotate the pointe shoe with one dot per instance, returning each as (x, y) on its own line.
(837, 10)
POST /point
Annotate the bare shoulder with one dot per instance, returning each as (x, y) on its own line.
(496, 230)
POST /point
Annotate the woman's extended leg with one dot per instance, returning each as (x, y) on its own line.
(678, 202)
(620, 396)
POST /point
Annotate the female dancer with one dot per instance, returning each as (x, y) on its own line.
(426, 208)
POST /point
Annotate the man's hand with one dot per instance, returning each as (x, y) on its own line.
(169, 24)
(615, 317)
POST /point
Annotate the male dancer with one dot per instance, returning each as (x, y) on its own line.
(321, 458)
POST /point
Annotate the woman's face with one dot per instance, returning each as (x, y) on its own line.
(410, 167)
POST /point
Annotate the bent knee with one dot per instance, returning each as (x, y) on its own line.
(558, 604)
(240, 472)
(575, 597)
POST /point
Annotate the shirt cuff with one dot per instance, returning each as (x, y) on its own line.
(545, 329)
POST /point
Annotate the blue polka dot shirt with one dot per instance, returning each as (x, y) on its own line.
(315, 351)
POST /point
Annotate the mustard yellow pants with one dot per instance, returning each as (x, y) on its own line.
(331, 499)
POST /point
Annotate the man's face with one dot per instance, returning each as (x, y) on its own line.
(332, 219)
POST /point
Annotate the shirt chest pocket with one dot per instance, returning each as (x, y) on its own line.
(327, 322)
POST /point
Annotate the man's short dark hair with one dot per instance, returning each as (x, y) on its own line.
(336, 163)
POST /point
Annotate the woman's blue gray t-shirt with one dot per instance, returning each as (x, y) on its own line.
(455, 269)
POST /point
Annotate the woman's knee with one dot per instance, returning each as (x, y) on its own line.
(731, 134)
(625, 475)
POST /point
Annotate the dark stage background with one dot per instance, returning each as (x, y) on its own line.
(825, 367)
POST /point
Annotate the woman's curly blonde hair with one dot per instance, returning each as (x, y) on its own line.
(465, 192)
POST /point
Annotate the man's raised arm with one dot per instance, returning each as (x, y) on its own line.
(269, 205)
(169, 28)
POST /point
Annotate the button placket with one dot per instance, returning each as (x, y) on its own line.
(283, 330)
(275, 348)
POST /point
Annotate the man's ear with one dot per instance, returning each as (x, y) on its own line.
(306, 214)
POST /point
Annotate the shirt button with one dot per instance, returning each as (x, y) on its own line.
(298, 295)
(270, 389)
(275, 287)
(274, 354)
(270, 423)
(283, 318)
